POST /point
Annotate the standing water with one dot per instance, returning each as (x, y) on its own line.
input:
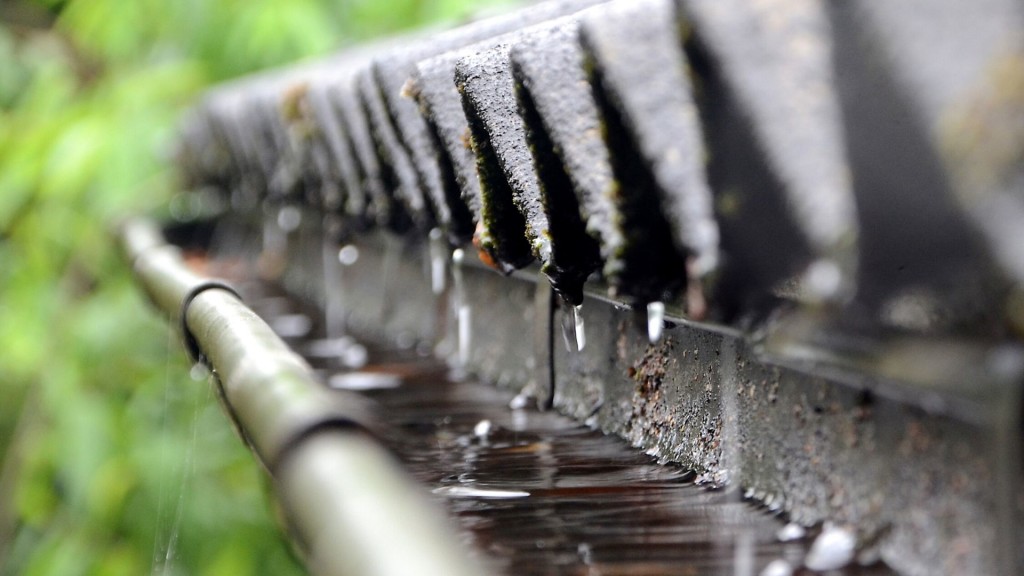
(537, 493)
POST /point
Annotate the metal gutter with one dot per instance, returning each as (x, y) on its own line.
(353, 510)
(826, 426)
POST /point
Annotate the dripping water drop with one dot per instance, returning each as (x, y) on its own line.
(482, 429)
(465, 333)
(520, 401)
(777, 567)
(289, 218)
(199, 372)
(585, 553)
(655, 321)
(334, 304)
(743, 554)
(790, 532)
(573, 330)
(438, 261)
(832, 549)
(355, 356)
(463, 312)
(291, 325)
(568, 333)
(824, 279)
(581, 336)
(348, 255)
(274, 242)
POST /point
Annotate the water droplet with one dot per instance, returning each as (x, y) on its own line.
(482, 429)
(438, 261)
(348, 255)
(355, 356)
(569, 332)
(199, 372)
(585, 553)
(520, 421)
(465, 333)
(274, 241)
(291, 325)
(364, 381)
(743, 554)
(790, 532)
(573, 329)
(655, 321)
(520, 401)
(464, 315)
(332, 348)
(832, 549)
(334, 302)
(823, 279)
(289, 218)
(778, 567)
(581, 336)
(470, 492)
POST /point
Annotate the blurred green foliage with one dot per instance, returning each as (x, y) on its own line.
(113, 460)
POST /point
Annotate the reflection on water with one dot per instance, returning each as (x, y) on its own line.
(541, 494)
(480, 493)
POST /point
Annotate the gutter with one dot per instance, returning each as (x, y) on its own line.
(351, 507)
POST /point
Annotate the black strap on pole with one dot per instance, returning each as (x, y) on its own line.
(195, 354)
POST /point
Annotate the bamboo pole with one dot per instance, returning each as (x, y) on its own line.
(352, 508)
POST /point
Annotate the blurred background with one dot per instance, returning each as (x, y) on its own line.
(112, 460)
